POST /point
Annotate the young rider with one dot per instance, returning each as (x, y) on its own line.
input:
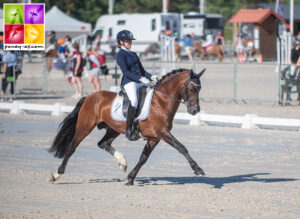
(134, 77)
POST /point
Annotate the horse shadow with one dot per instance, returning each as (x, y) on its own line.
(215, 182)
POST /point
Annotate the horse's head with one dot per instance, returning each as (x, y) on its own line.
(190, 92)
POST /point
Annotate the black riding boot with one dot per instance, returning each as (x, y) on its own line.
(131, 134)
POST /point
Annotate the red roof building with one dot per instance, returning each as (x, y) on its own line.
(260, 26)
(254, 16)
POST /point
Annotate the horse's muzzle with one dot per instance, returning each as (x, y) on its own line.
(194, 110)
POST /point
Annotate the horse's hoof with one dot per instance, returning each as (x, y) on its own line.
(54, 177)
(129, 183)
(199, 172)
(123, 168)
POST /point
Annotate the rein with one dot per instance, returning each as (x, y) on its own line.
(174, 98)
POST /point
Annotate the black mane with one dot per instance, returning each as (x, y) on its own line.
(173, 72)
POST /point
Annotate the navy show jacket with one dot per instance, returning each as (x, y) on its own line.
(131, 67)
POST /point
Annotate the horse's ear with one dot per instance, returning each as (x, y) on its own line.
(192, 73)
(201, 73)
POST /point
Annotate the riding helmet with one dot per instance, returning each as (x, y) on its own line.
(125, 35)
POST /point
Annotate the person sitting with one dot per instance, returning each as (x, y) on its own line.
(134, 77)
(209, 42)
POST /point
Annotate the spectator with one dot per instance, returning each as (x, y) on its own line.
(96, 43)
(20, 57)
(10, 62)
(61, 50)
(239, 48)
(94, 70)
(51, 41)
(295, 58)
(68, 46)
(188, 45)
(1, 56)
(77, 71)
(102, 59)
(219, 40)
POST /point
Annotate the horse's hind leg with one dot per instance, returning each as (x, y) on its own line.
(82, 131)
(105, 144)
(143, 158)
(170, 139)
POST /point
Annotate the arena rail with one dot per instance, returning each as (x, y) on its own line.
(248, 121)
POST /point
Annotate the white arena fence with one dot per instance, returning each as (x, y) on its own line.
(247, 121)
(225, 81)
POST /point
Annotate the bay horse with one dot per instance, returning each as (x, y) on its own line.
(94, 110)
(289, 83)
(215, 50)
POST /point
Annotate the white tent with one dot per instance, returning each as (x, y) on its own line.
(63, 24)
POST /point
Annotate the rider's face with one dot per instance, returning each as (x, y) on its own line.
(127, 44)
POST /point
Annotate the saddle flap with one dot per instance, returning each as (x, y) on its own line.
(142, 92)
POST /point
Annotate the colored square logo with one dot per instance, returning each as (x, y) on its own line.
(24, 26)
(14, 34)
(34, 14)
(34, 34)
(14, 14)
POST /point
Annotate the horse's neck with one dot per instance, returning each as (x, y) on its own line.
(172, 87)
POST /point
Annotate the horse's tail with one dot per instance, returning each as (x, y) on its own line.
(66, 132)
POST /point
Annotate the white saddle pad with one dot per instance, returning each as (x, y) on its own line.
(116, 110)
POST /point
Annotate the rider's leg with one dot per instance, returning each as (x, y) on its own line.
(131, 91)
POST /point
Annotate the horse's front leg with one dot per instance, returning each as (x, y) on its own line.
(143, 158)
(170, 139)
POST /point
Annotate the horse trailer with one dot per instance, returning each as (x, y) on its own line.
(201, 24)
(146, 28)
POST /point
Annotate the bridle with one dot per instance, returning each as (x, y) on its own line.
(185, 86)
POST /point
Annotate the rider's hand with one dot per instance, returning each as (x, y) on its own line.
(145, 81)
(154, 78)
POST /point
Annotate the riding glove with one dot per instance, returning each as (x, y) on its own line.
(154, 78)
(145, 81)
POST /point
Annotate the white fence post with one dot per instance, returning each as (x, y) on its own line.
(15, 107)
(57, 109)
(248, 121)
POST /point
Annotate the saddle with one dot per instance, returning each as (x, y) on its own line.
(209, 47)
(142, 92)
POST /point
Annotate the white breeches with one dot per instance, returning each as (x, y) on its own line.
(131, 90)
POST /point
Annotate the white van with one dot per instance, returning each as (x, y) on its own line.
(146, 28)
